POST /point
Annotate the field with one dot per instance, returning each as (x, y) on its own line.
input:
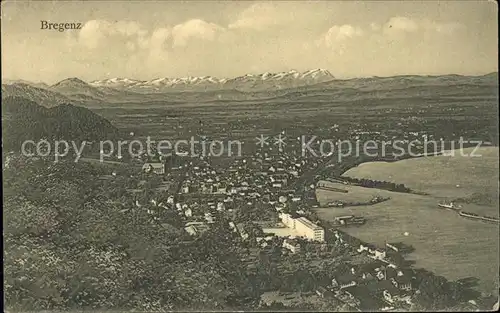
(445, 243)
(248, 119)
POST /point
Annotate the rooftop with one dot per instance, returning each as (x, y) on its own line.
(308, 223)
(154, 165)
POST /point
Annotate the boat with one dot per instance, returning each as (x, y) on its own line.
(449, 206)
(336, 204)
(378, 199)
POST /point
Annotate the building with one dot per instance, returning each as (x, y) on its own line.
(288, 220)
(303, 227)
(191, 230)
(157, 168)
(291, 245)
(344, 281)
(373, 252)
(308, 229)
(379, 254)
(195, 228)
(403, 282)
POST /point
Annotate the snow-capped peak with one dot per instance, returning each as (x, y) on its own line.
(315, 73)
(183, 80)
(266, 75)
(287, 78)
(114, 82)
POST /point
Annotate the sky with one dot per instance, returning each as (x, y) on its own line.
(148, 39)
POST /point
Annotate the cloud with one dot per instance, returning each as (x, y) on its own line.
(123, 42)
(374, 27)
(127, 28)
(336, 37)
(260, 16)
(400, 24)
(92, 33)
(194, 28)
(158, 38)
(443, 28)
(339, 33)
(131, 46)
(136, 46)
(158, 45)
(99, 32)
(126, 47)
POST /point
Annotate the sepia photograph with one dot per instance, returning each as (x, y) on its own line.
(250, 156)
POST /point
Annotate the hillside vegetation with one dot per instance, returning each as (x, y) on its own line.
(24, 119)
(69, 245)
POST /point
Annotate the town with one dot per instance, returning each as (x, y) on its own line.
(268, 201)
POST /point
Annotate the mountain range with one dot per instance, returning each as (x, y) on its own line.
(248, 82)
(315, 84)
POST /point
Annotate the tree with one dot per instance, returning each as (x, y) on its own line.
(434, 291)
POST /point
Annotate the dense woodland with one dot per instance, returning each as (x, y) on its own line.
(23, 119)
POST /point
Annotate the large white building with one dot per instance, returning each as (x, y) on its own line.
(303, 227)
(308, 229)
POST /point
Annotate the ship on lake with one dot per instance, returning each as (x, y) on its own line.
(448, 206)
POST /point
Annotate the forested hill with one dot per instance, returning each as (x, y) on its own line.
(70, 244)
(24, 119)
